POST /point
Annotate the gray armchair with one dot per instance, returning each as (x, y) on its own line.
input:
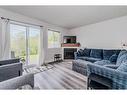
(9, 61)
(18, 82)
(10, 68)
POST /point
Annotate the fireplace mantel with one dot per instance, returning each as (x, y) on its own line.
(70, 45)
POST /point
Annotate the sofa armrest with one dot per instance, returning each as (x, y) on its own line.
(112, 66)
(17, 82)
(76, 55)
(9, 61)
(10, 71)
(119, 78)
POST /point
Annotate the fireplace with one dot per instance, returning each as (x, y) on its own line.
(69, 46)
(69, 53)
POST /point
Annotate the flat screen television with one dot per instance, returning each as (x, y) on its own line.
(69, 39)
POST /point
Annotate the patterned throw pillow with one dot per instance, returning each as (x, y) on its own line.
(121, 53)
(121, 59)
(86, 52)
(113, 58)
(122, 67)
(80, 52)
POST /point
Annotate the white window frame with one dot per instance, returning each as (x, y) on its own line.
(59, 39)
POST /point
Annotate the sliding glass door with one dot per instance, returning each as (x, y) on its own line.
(18, 41)
(25, 43)
(34, 44)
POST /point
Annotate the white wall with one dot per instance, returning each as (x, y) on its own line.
(48, 52)
(106, 34)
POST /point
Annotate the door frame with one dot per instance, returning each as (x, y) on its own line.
(27, 36)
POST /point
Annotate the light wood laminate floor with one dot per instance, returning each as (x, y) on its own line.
(61, 77)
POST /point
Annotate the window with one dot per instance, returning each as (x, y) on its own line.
(53, 39)
(25, 43)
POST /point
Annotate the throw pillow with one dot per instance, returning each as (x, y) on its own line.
(122, 67)
(113, 58)
(121, 53)
(78, 54)
(80, 51)
(121, 59)
(86, 52)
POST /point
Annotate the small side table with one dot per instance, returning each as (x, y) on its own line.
(57, 57)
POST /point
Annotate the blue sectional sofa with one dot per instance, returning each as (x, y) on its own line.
(109, 69)
(117, 73)
(87, 55)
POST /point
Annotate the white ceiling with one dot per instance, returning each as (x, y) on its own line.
(70, 16)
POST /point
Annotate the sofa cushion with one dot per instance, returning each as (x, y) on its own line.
(86, 52)
(108, 53)
(92, 59)
(81, 63)
(89, 59)
(102, 62)
(96, 53)
(122, 67)
(82, 57)
(122, 59)
(113, 58)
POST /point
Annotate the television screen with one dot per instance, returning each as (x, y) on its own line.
(69, 39)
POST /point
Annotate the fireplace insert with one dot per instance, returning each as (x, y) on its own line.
(69, 53)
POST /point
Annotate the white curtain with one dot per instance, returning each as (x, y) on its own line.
(41, 50)
(4, 39)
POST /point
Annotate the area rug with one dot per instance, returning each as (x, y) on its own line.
(37, 69)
